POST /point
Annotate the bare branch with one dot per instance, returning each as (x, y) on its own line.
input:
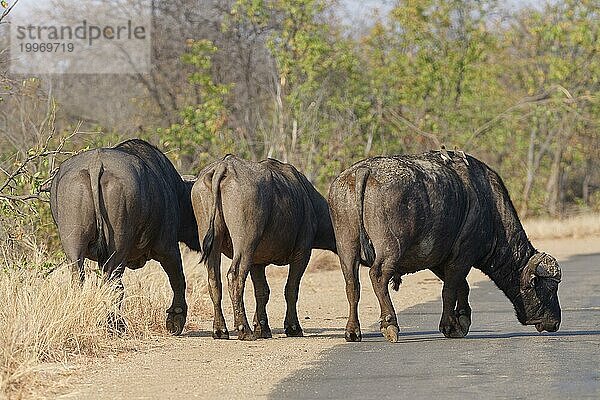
(397, 117)
(543, 98)
(22, 198)
(43, 152)
(7, 11)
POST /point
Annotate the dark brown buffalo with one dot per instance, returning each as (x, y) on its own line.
(122, 206)
(258, 214)
(447, 212)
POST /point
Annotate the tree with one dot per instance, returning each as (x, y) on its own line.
(202, 130)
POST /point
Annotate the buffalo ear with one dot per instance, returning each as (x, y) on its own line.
(528, 277)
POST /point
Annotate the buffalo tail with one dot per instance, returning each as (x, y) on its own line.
(101, 244)
(366, 246)
(209, 237)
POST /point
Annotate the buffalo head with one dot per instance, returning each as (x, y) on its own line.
(539, 292)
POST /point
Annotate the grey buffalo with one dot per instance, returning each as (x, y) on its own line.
(447, 212)
(122, 206)
(258, 214)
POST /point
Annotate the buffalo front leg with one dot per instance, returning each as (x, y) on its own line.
(380, 275)
(463, 309)
(292, 324)
(177, 313)
(261, 294)
(215, 287)
(450, 326)
(236, 279)
(462, 312)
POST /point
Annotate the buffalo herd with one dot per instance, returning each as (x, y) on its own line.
(442, 210)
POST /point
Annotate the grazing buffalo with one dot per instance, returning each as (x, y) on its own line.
(445, 211)
(258, 214)
(122, 206)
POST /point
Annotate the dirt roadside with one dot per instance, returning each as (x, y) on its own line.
(196, 366)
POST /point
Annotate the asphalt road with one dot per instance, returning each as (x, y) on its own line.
(498, 359)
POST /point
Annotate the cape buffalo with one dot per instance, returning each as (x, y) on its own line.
(258, 214)
(122, 206)
(445, 211)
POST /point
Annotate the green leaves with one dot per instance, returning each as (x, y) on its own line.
(461, 73)
(203, 130)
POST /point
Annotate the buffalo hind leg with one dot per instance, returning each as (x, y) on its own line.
(381, 273)
(236, 279)
(215, 287)
(291, 324)
(78, 272)
(462, 312)
(261, 294)
(116, 322)
(76, 260)
(177, 313)
(112, 273)
(113, 270)
(350, 263)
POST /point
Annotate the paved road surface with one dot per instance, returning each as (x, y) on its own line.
(499, 358)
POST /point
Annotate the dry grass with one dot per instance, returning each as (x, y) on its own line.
(46, 323)
(45, 319)
(579, 226)
(148, 295)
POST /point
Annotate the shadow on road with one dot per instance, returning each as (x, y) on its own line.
(427, 336)
(197, 334)
(529, 334)
(330, 333)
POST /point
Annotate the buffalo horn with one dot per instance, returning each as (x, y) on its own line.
(548, 268)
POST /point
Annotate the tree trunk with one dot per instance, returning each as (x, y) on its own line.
(281, 139)
(530, 174)
(585, 190)
(553, 185)
(533, 162)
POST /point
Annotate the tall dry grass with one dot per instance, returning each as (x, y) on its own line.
(579, 226)
(44, 319)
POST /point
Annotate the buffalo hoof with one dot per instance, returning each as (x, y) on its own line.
(176, 320)
(116, 324)
(464, 320)
(262, 331)
(293, 331)
(245, 333)
(219, 333)
(390, 333)
(353, 335)
(451, 328)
